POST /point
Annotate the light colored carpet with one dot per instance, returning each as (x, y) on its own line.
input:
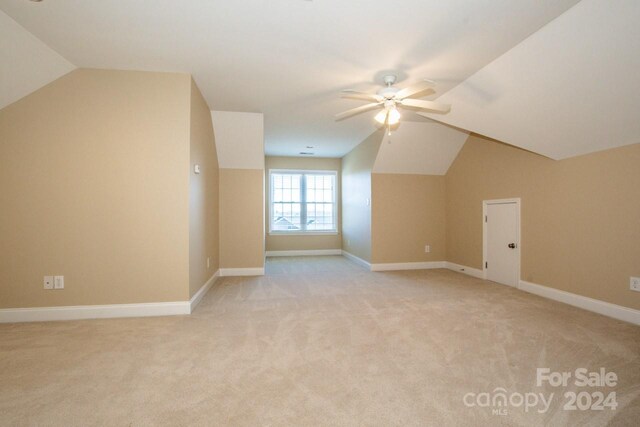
(317, 341)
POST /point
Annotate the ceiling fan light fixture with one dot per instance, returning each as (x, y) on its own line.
(394, 116)
(390, 116)
(381, 117)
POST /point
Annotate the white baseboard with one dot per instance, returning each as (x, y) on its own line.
(605, 308)
(197, 297)
(110, 311)
(77, 312)
(226, 272)
(359, 261)
(313, 252)
(465, 270)
(408, 266)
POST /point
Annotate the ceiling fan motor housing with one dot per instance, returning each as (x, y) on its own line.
(389, 80)
(388, 92)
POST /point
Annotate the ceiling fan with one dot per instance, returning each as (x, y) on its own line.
(389, 98)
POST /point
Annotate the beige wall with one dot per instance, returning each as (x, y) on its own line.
(276, 242)
(241, 218)
(94, 186)
(580, 216)
(356, 189)
(407, 213)
(203, 195)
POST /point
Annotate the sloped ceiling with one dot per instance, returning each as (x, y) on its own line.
(571, 88)
(289, 59)
(419, 148)
(239, 139)
(27, 64)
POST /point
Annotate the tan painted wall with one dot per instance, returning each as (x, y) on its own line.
(204, 191)
(276, 242)
(580, 216)
(408, 212)
(94, 186)
(356, 189)
(241, 218)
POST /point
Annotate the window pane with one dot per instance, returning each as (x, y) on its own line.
(311, 186)
(320, 216)
(327, 182)
(295, 187)
(286, 188)
(286, 216)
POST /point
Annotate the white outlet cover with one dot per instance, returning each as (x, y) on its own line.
(58, 282)
(48, 282)
(634, 284)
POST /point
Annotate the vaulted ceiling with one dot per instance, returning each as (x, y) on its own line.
(530, 73)
(27, 64)
(571, 88)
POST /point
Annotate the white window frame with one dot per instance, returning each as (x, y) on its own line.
(303, 201)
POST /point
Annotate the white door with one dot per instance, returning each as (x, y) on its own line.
(502, 247)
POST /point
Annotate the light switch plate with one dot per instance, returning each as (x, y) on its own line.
(48, 282)
(58, 282)
(634, 284)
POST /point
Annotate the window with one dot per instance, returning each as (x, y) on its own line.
(302, 201)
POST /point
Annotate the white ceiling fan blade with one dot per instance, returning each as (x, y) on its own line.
(350, 93)
(412, 90)
(426, 105)
(358, 110)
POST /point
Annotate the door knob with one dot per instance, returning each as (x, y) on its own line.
(512, 245)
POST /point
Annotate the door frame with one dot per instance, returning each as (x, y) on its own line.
(485, 203)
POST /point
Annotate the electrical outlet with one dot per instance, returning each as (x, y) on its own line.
(48, 282)
(427, 248)
(58, 282)
(634, 284)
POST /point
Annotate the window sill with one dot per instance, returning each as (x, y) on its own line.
(303, 233)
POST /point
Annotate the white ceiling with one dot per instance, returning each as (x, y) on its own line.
(571, 88)
(27, 64)
(420, 148)
(289, 59)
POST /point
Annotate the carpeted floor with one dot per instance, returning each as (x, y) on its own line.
(320, 341)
